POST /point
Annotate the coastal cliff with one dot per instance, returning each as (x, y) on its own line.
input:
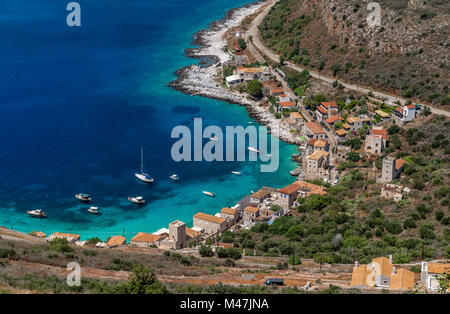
(201, 79)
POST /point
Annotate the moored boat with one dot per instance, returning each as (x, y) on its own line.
(175, 177)
(209, 193)
(37, 213)
(139, 200)
(83, 197)
(144, 177)
(236, 173)
(93, 210)
(252, 149)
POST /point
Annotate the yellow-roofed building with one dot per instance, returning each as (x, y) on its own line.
(381, 273)
(402, 279)
(117, 240)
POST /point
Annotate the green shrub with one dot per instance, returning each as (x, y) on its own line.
(439, 215)
(90, 253)
(205, 251)
(60, 246)
(7, 253)
(427, 231)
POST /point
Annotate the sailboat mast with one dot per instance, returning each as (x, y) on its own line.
(142, 160)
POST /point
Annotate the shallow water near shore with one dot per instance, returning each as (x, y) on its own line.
(77, 104)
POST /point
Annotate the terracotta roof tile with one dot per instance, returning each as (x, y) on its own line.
(322, 109)
(146, 237)
(116, 240)
(329, 104)
(210, 218)
(383, 133)
(285, 104)
(334, 119)
(251, 209)
(438, 268)
(399, 163)
(315, 128)
(318, 154)
(298, 185)
(402, 279)
(228, 211)
(260, 194)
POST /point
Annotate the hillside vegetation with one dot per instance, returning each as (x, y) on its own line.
(406, 55)
(353, 222)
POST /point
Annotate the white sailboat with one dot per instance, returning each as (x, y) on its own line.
(144, 177)
(236, 173)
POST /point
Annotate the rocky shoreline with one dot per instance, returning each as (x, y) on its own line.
(201, 79)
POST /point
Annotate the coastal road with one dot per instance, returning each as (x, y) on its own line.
(389, 99)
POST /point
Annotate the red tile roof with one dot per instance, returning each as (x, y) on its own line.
(287, 104)
(277, 90)
(322, 109)
(210, 218)
(333, 119)
(399, 163)
(315, 128)
(228, 211)
(329, 104)
(251, 209)
(383, 133)
(313, 141)
(146, 237)
(298, 185)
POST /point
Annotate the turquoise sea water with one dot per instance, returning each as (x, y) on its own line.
(76, 105)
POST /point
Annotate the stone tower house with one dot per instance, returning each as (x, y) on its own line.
(177, 233)
(388, 172)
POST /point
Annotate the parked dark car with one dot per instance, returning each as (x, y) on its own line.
(274, 281)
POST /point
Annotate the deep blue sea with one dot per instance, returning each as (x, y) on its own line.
(76, 105)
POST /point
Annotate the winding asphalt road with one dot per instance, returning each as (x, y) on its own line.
(389, 99)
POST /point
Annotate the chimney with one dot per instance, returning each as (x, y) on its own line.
(394, 270)
(356, 264)
(390, 258)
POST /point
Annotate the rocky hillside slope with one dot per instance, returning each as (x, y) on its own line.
(407, 54)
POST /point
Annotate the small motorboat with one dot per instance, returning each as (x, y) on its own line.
(236, 173)
(93, 210)
(83, 197)
(209, 193)
(252, 149)
(37, 213)
(175, 177)
(139, 200)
